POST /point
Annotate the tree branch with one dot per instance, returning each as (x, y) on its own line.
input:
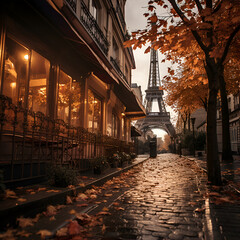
(186, 21)
(199, 6)
(229, 41)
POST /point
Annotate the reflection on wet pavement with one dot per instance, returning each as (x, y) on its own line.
(161, 203)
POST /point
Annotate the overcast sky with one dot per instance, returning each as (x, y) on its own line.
(135, 20)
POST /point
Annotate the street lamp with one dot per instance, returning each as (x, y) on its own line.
(193, 122)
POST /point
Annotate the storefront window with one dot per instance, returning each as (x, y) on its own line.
(39, 82)
(94, 112)
(75, 106)
(114, 125)
(15, 72)
(64, 86)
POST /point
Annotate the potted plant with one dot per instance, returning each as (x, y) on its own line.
(114, 160)
(124, 158)
(99, 164)
(133, 155)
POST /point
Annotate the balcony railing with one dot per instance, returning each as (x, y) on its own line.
(116, 66)
(93, 28)
(120, 16)
(72, 4)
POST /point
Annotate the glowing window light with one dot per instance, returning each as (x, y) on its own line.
(13, 84)
(26, 57)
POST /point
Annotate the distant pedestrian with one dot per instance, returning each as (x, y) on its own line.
(180, 148)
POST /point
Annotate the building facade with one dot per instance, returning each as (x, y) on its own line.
(65, 82)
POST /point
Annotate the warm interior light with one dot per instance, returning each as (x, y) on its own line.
(13, 84)
(26, 57)
(123, 114)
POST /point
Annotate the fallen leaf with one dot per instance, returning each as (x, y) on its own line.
(74, 228)
(24, 222)
(81, 184)
(8, 235)
(44, 233)
(72, 211)
(23, 233)
(82, 196)
(115, 204)
(53, 190)
(42, 189)
(21, 199)
(82, 205)
(68, 200)
(103, 228)
(10, 194)
(119, 208)
(51, 210)
(52, 218)
(105, 209)
(104, 213)
(62, 232)
(108, 195)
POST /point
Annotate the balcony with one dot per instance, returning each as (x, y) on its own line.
(91, 25)
(72, 4)
(116, 66)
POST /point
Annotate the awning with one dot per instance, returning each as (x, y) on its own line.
(134, 108)
(135, 132)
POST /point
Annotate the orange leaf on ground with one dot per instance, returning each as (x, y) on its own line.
(24, 222)
(21, 199)
(82, 205)
(42, 189)
(10, 194)
(108, 195)
(104, 213)
(74, 228)
(62, 232)
(115, 204)
(44, 233)
(68, 200)
(51, 210)
(72, 211)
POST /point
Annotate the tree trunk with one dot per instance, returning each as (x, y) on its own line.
(226, 142)
(213, 164)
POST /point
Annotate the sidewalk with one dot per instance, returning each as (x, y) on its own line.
(31, 200)
(222, 205)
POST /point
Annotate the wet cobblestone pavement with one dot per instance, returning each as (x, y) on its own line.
(164, 202)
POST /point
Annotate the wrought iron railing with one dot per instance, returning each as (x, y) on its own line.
(116, 66)
(72, 4)
(29, 141)
(93, 28)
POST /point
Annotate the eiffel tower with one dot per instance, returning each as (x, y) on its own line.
(154, 93)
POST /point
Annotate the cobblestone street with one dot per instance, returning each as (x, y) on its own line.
(164, 202)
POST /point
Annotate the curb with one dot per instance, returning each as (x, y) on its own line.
(31, 208)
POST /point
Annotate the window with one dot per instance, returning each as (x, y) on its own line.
(115, 53)
(75, 104)
(114, 125)
(93, 9)
(39, 83)
(123, 128)
(94, 112)
(64, 86)
(16, 64)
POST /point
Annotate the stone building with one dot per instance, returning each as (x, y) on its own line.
(65, 82)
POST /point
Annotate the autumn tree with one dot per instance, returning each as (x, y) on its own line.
(213, 25)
